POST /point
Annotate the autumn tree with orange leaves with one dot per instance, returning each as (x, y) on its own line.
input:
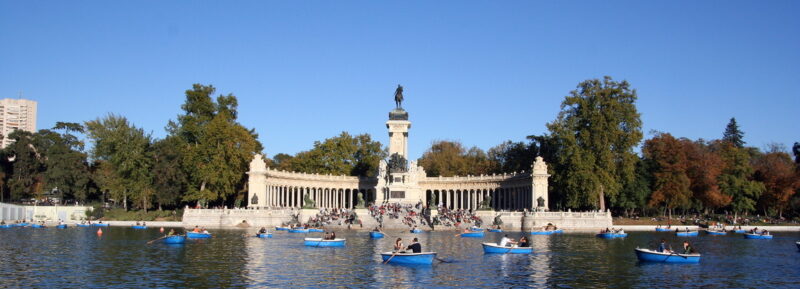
(671, 183)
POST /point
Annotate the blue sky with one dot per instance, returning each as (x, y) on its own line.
(476, 71)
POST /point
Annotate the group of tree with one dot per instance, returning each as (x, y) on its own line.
(200, 161)
(590, 148)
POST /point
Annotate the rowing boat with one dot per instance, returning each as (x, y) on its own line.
(647, 255)
(424, 258)
(757, 236)
(472, 235)
(550, 232)
(494, 248)
(264, 235)
(175, 240)
(376, 235)
(612, 235)
(193, 235)
(319, 242)
(686, 234)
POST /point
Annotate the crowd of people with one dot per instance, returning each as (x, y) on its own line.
(332, 216)
(447, 217)
(410, 215)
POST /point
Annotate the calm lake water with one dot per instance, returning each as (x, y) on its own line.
(77, 257)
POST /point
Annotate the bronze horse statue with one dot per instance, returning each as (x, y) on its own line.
(398, 96)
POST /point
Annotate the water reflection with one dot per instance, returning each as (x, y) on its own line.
(76, 257)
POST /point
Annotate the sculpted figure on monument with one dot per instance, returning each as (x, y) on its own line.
(398, 96)
(360, 201)
(540, 202)
(308, 203)
(486, 203)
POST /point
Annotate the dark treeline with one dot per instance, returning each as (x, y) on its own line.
(200, 161)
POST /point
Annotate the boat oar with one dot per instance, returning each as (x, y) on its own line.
(148, 243)
(390, 258)
(442, 260)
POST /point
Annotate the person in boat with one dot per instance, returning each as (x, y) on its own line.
(621, 231)
(523, 242)
(144, 224)
(137, 223)
(333, 235)
(171, 232)
(415, 247)
(505, 241)
(204, 231)
(687, 248)
(196, 229)
(262, 231)
(466, 230)
(99, 222)
(662, 248)
(376, 229)
(398, 245)
(764, 232)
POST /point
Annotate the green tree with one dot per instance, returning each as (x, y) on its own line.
(340, 155)
(450, 158)
(169, 177)
(595, 134)
(27, 166)
(127, 150)
(671, 184)
(216, 149)
(736, 179)
(733, 134)
(66, 167)
(512, 156)
(634, 194)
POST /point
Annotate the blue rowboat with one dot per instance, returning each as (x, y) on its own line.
(472, 235)
(646, 255)
(100, 225)
(424, 258)
(612, 235)
(416, 231)
(83, 225)
(281, 228)
(686, 234)
(376, 235)
(312, 230)
(264, 235)
(36, 226)
(193, 235)
(139, 227)
(62, 226)
(547, 232)
(298, 230)
(496, 230)
(5, 226)
(757, 236)
(740, 231)
(475, 229)
(716, 232)
(175, 240)
(494, 248)
(319, 242)
(22, 224)
(663, 230)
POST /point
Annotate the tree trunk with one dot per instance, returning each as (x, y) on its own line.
(125, 199)
(602, 199)
(144, 203)
(203, 188)
(670, 213)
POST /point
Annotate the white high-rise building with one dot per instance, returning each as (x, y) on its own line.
(16, 114)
